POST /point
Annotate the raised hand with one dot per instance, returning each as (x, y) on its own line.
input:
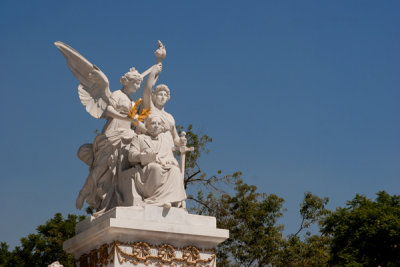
(157, 68)
(161, 52)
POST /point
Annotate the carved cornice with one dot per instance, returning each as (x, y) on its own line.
(142, 252)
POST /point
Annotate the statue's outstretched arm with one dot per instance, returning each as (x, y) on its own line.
(148, 87)
(153, 73)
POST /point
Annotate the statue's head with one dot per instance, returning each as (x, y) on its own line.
(160, 95)
(131, 80)
(154, 125)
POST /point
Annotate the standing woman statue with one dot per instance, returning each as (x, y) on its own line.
(105, 156)
(156, 100)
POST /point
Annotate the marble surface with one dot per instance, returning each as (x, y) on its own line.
(151, 224)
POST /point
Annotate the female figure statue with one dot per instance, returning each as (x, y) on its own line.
(156, 100)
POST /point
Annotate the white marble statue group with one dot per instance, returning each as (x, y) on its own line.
(132, 160)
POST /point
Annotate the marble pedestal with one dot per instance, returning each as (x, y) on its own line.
(146, 236)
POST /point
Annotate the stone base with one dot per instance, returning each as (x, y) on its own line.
(146, 236)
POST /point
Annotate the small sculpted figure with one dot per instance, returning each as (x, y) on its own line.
(158, 178)
(106, 157)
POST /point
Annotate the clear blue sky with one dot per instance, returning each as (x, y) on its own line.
(298, 95)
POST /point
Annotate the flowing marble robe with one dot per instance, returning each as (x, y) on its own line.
(161, 181)
(105, 157)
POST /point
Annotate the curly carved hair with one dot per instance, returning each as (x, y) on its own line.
(162, 87)
(131, 76)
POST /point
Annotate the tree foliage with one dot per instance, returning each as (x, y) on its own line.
(44, 247)
(365, 232)
(194, 177)
(311, 252)
(313, 249)
(312, 209)
(256, 238)
(5, 255)
(251, 219)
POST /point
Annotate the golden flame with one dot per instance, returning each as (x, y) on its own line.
(133, 112)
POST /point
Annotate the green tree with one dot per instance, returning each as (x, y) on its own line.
(312, 210)
(5, 255)
(256, 239)
(45, 246)
(251, 217)
(313, 250)
(365, 232)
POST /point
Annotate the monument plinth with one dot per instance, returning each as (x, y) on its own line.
(146, 236)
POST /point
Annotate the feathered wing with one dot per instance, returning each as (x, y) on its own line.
(94, 91)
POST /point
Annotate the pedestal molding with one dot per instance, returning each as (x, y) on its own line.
(141, 252)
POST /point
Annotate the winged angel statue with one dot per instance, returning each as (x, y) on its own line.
(107, 157)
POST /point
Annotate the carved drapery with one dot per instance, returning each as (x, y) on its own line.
(142, 252)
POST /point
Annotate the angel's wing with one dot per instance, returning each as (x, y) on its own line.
(94, 91)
